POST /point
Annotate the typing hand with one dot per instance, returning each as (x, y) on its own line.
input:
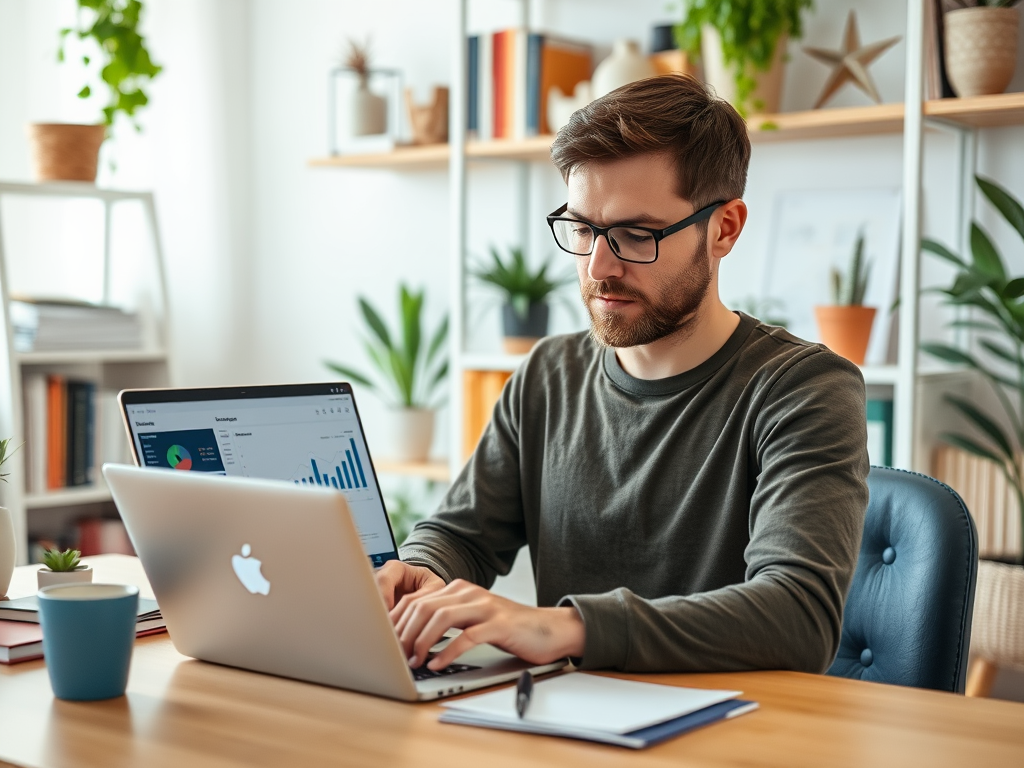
(397, 580)
(538, 635)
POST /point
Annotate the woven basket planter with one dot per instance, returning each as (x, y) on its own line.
(65, 151)
(998, 631)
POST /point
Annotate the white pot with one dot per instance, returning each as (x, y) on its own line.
(368, 112)
(561, 107)
(8, 549)
(767, 95)
(410, 434)
(47, 578)
(625, 65)
(981, 49)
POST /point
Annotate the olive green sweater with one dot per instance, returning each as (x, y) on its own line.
(707, 521)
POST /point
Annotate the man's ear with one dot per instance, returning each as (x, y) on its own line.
(725, 226)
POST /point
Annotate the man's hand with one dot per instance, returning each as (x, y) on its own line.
(396, 580)
(538, 635)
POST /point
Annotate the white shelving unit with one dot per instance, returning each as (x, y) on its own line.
(963, 117)
(109, 369)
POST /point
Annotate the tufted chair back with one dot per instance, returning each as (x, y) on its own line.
(908, 616)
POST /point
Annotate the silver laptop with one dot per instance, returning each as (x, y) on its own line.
(309, 608)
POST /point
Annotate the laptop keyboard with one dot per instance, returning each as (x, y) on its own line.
(422, 673)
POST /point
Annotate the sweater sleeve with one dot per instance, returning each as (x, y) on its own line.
(479, 528)
(809, 442)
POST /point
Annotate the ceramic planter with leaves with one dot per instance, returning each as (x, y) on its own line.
(62, 568)
(526, 292)
(409, 372)
(8, 543)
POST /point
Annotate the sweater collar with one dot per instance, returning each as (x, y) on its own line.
(681, 381)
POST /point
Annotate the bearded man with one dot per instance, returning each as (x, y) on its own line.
(690, 482)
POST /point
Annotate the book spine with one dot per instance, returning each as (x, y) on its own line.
(472, 85)
(91, 470)
(498, 75)
(534, 45)
(515, 97)
(36, 432)
(485, 82)
(56, 429)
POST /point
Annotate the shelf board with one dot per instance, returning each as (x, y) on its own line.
(430, 470)
(978, 111)
(491, 362)
(67, 497)
(86, 356)
(69, 189)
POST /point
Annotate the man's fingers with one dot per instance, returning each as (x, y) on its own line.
(443, 617)
(453, 650)
(398, 610)
(388, 578)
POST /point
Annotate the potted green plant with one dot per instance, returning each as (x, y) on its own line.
(980, 45)
(64, 151)
(996, 297)
(742, 44)
(525, 313)
(845, 325)
(62, 568)
(8, 544)
(409, 372)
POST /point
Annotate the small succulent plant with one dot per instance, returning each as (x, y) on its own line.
(61, 562)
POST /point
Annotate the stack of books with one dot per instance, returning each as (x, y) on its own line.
(70, 429)
(510, 73)
(58, 326)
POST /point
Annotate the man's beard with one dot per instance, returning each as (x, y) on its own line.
(662, 316)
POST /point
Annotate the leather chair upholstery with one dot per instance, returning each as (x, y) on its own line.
(908, 615)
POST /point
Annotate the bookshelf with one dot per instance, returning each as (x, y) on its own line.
(964, 117)
(1006, 109)
(108, 369)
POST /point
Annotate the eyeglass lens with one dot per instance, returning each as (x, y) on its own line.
(629, 243)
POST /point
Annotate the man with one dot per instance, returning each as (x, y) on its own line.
(690, 482)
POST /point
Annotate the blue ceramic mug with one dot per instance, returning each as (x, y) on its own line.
(88, 635)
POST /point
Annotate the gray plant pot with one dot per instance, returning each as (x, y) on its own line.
(533, 326)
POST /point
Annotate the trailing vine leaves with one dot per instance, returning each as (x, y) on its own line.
(127, 67)
(750, 31)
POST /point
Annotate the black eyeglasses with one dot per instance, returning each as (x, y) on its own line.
(638, 245)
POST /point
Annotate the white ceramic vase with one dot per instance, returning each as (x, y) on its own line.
(368, 112)
(561, 107)
(722, 77)
(625, 65)
(410, 433)
(47, 578)
(981, 49)
(8, 549)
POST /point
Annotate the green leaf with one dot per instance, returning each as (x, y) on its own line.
(376, 324)
(1003, 353)
(348, 373)
(986, 257)
(949, 354)
(85, 93)
(984, 423)
(411, 305)
(977, 325)
(1004, 202)
(1014, 289)
(941, 251)
(440, 335)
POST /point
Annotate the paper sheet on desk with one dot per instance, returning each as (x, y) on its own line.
(581, 701)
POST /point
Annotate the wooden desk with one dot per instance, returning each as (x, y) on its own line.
(182, 712)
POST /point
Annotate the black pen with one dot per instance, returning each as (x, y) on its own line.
(524, 689)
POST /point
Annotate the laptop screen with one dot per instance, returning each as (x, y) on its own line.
(308, 434)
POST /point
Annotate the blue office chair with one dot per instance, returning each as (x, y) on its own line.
(908, 615)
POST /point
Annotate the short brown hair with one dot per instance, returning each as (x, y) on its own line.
(673, 114)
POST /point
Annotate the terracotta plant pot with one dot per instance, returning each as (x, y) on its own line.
(766, 96)
(47, 578)
(846, 330)
(981, 49)
(65, 151)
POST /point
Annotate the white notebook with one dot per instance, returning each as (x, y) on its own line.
(578, 702)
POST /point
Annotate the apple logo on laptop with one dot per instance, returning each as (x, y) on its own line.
(247, 569)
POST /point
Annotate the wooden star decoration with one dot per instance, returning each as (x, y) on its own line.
(851, 63)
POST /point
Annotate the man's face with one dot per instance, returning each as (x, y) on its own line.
(636, 304)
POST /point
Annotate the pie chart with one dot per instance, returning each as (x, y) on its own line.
(179, 458)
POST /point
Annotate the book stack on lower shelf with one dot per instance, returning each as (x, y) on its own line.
(57, 326)
(71, 427)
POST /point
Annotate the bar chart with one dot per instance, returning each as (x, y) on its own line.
(344, 472)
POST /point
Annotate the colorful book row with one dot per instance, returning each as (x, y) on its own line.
(511, 73)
